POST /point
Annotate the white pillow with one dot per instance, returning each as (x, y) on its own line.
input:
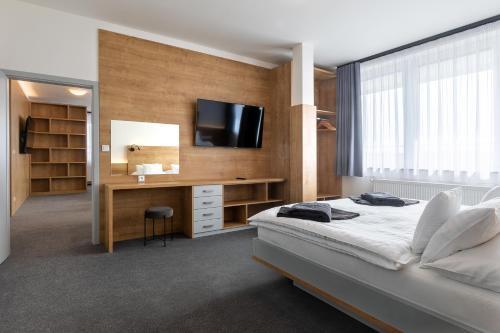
(151, 169)
(441, 207)
(479, 266)
(139, 169)
(469, 228)
(491, 194)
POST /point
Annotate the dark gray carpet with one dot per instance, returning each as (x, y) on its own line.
(56, 281)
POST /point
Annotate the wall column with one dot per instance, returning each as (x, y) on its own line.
(303, 152)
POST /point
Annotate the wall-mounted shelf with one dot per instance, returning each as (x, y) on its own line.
(57, 144)
(327, 130)
(326, 113)
(325, 196)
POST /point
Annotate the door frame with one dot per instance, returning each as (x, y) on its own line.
(94, 86)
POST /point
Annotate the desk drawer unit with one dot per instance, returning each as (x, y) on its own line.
(207, 225)
(207, 202)
(207, 191)
(207, 209)
(207, 214)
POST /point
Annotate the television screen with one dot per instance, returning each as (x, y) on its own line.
(220, 124)
(23, 137)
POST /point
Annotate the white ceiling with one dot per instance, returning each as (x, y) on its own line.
(51, 93)
(341, 30)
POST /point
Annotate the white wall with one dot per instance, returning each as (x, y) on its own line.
(303, 74)
(45, 41)
(126, 133)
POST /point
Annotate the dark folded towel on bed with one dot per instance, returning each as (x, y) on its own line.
(382, 199)
(314, 211)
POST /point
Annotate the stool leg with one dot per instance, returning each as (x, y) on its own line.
(164, 232)
(144, 230)
(172, 228)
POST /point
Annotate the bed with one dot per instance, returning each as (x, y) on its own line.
(388, 295)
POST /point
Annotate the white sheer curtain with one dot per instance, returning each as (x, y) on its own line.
(432, 112)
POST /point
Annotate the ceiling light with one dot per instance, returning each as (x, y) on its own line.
(78, 91)
(28, 89)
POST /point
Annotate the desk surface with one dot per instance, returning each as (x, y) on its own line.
(180, 183)
(188, 219)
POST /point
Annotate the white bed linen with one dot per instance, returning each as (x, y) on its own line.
(380, 235)
(471, 306)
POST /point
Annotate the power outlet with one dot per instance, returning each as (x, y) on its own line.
(141, 179)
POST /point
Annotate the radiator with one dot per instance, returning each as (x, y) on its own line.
(425, 191)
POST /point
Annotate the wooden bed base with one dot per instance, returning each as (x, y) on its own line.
(373, 307)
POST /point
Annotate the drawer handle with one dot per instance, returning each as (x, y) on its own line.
(208, 226)
(207, 191)
(207, 202)
(207, 214)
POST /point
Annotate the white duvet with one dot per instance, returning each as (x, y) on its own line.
(380, 235)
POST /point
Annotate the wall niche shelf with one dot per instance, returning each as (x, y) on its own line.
(57, 144)
(241, 201)
(329, 185)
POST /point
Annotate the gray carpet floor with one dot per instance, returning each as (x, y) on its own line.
(56, 281)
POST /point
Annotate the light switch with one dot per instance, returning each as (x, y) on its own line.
(105, 148)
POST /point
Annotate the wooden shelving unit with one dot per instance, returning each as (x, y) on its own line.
(329, 185)
(57, 144)
(241, 201)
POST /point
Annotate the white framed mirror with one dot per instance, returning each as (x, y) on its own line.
(141, 148)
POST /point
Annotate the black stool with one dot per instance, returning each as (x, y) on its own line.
(154, 213)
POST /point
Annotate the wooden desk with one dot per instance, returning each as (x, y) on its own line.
(239, 200)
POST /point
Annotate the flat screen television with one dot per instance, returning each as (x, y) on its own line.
(220, 124)
(23, 137)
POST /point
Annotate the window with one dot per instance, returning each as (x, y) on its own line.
(432, 112)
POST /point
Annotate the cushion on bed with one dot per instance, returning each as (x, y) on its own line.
(469, 228)
(441, 207)
(491, 194)
(478, 266)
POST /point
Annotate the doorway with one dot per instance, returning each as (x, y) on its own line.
(53, 156)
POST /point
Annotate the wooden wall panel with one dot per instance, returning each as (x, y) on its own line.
(20, 163)
(281, 101)
(303, 153)
(328, 183)
(141, 80)
(326, 94)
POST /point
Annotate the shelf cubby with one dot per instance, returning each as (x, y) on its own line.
(77, 169)
(276, 191)
(40, 154)
(68, 155)
(68, 184)
(68, 126)
(244, 200)
(43, 110)
(240, 194)
(41, 140)
(77, 141)
(40, 185)
(39, 125)
(235, 216)
(77, 112)
(49, 170)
